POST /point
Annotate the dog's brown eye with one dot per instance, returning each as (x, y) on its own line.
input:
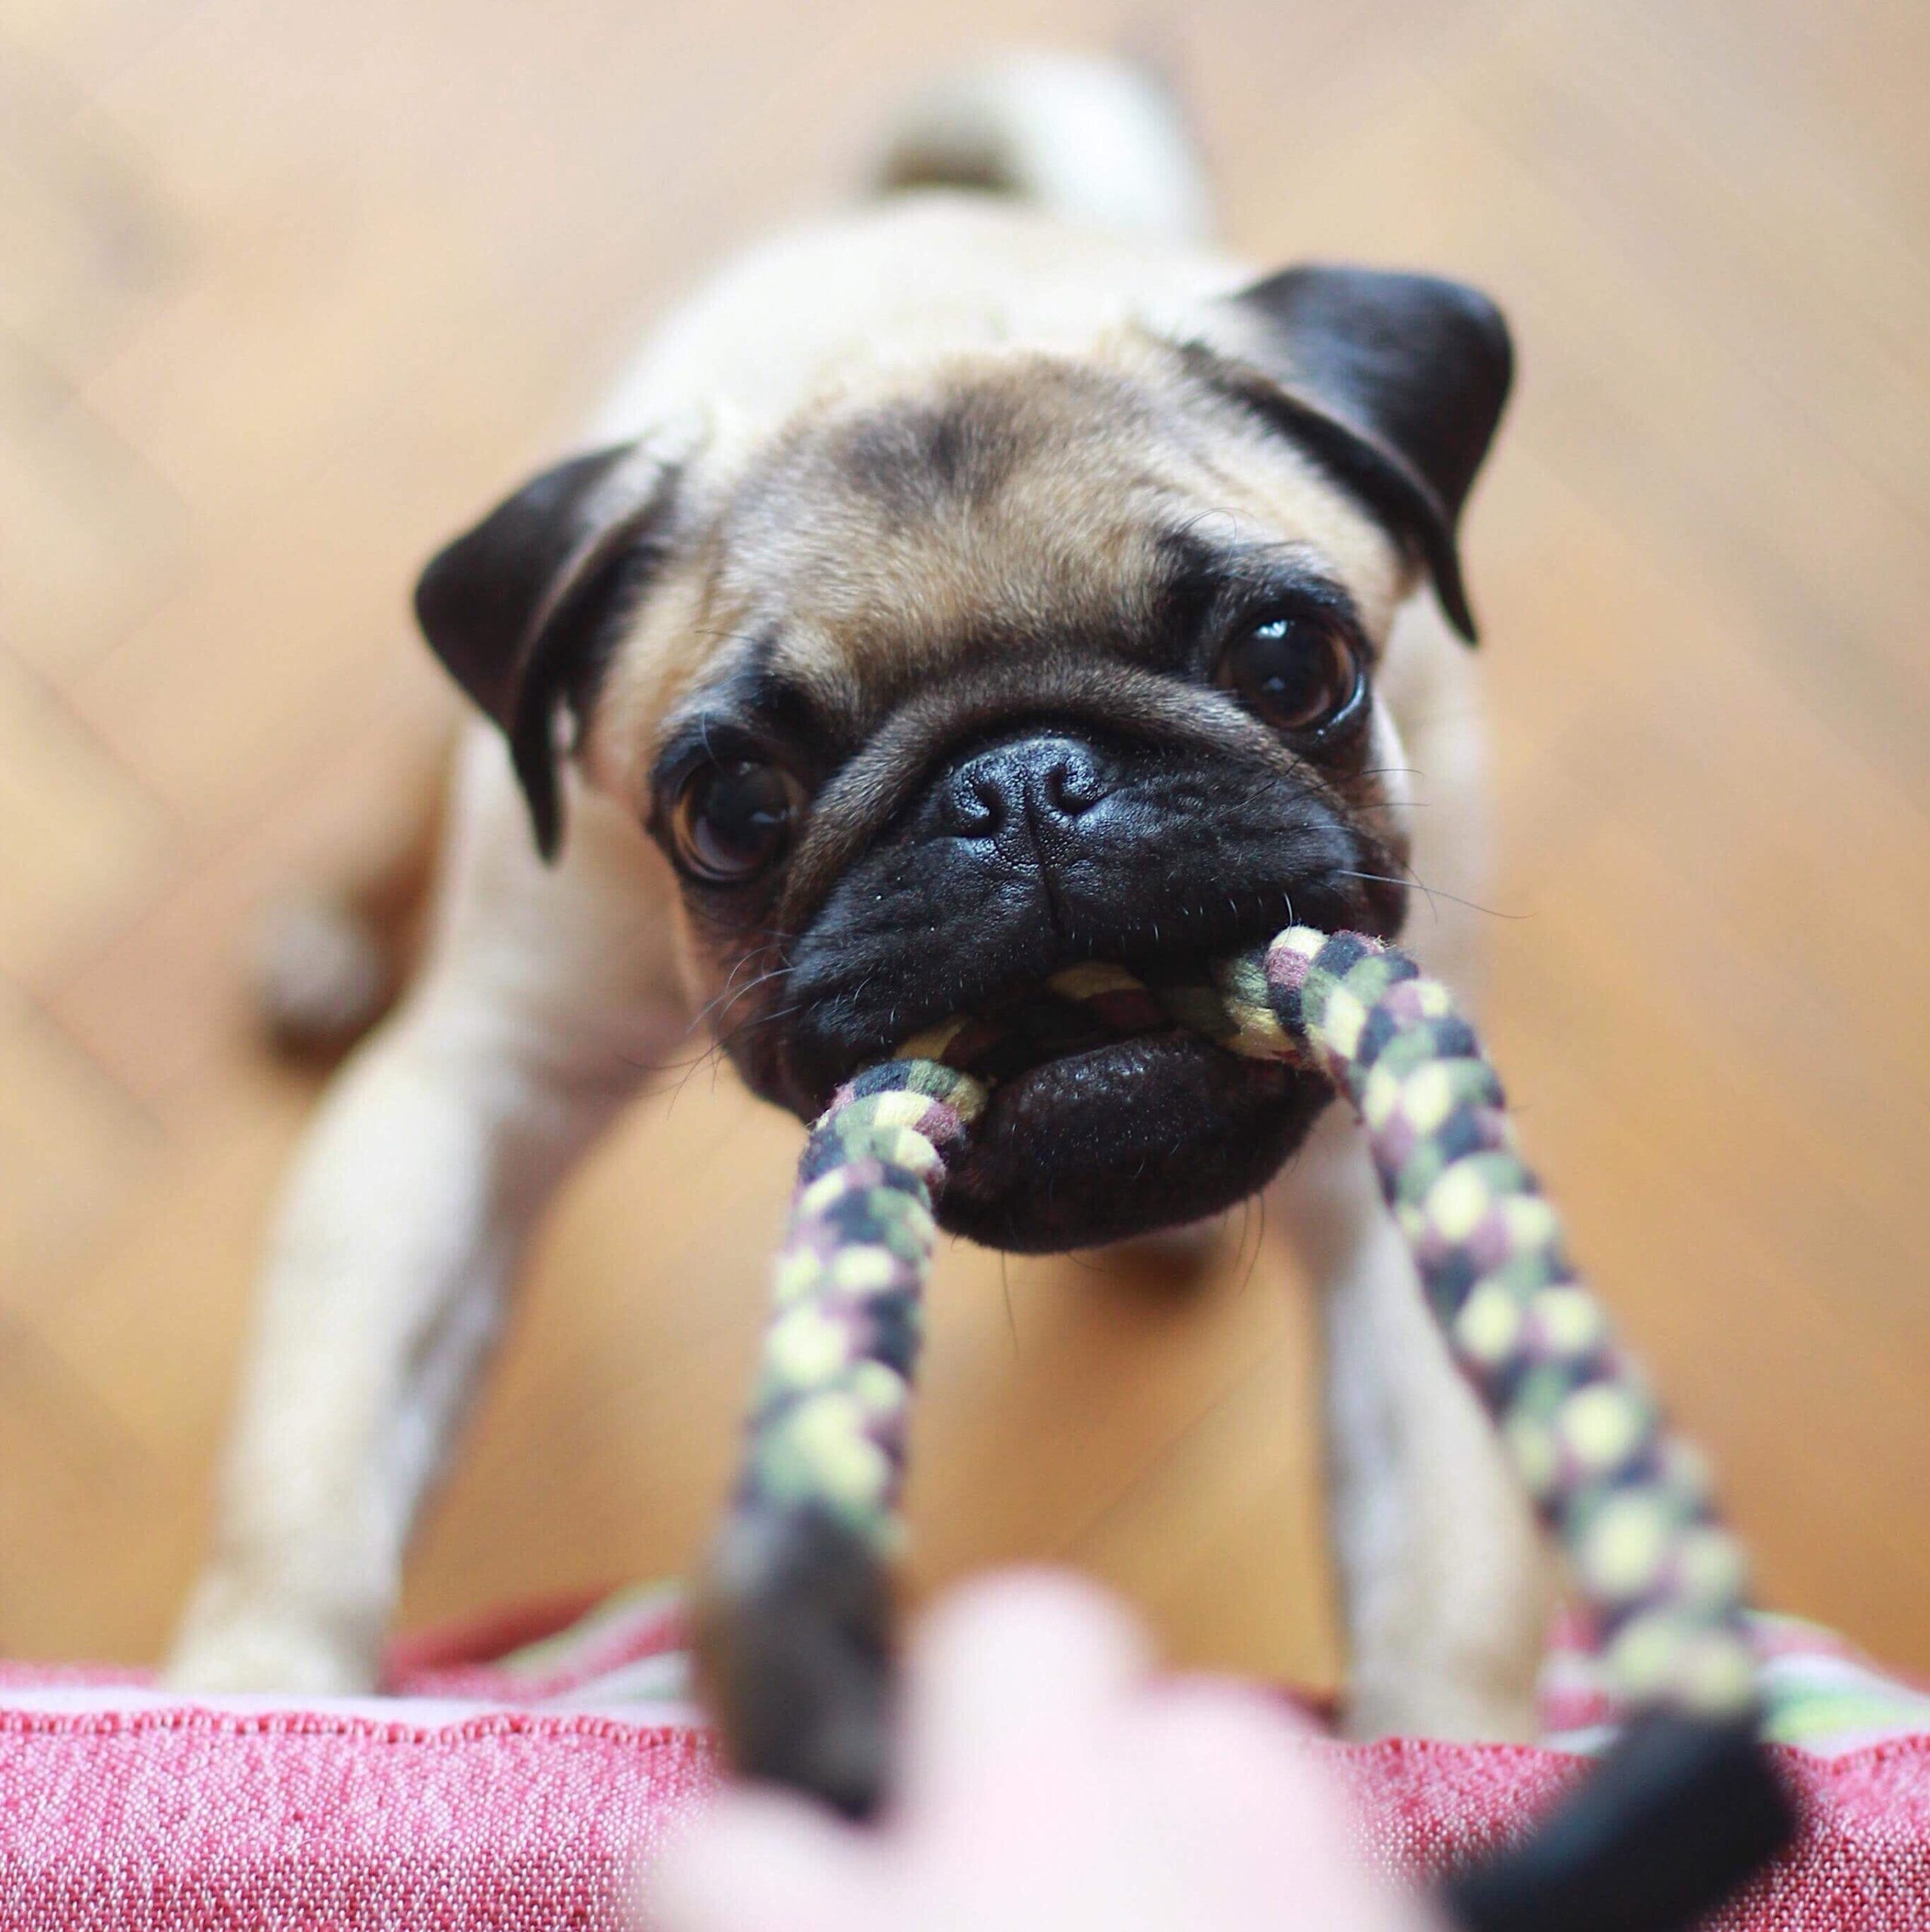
(733, 821)
(1295, 674)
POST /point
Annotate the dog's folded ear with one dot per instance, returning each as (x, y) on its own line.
(524, 609)
(1394, 382)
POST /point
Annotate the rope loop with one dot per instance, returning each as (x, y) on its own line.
(1629, 1505)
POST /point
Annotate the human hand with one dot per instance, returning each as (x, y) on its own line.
(1049, 1784)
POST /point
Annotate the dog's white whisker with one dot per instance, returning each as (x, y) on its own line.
(1432, 893)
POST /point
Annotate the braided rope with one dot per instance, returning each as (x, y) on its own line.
(833, 1389)
(796, 1640)
(1628, 1503)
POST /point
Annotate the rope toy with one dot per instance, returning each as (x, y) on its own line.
(796, 1629)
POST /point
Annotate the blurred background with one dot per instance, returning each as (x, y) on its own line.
(287, 292)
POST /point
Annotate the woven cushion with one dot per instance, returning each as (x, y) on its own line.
(522, 1772)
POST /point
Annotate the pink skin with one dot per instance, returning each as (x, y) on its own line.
(1051, 1784)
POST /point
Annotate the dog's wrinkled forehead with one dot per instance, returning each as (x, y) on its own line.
(1044, 506)
(974, 508)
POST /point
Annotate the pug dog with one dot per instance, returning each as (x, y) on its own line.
(997, 578)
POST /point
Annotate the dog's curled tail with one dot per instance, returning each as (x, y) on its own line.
(1095, 141)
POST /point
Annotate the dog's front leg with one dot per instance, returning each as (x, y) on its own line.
(541, 1009)
(1443, 1585)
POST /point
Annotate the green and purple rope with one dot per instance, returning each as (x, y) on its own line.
(1627, 1502)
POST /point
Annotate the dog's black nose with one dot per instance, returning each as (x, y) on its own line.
(1042, 784)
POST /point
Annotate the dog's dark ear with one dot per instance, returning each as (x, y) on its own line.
(525, 608)
(1396, 382)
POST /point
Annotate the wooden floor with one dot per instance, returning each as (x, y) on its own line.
(286, 291)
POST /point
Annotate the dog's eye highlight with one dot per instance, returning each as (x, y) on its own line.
(1299, 674)
(732, 821)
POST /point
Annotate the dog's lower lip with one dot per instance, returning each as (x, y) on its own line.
(1017, 1088)
(1067, 1062)
(1138, 1133)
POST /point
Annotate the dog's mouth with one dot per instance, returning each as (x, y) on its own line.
(1108, 1119)
(1053, 1002)
(1085, 1009)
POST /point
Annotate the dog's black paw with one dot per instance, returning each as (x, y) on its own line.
(795, 1655)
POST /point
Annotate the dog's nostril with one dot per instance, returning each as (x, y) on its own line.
(977, 806)
(1072, 787)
